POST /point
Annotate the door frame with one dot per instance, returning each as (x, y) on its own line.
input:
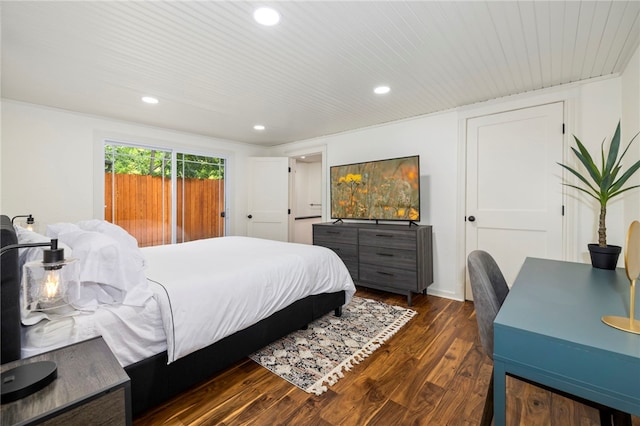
(466, 113)
(315, 150)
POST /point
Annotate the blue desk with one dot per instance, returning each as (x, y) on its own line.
(549, 331)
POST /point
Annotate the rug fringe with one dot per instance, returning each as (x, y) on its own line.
(334, 375)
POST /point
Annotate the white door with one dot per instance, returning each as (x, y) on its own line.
(514, 189)
(268, 203)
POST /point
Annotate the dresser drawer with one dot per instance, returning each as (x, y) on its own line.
(347, 252)
(403, 240)
(352, 267)
(388, 277)
(390, 257)
(334, 234)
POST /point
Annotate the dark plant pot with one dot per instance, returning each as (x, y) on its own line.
(604, 257)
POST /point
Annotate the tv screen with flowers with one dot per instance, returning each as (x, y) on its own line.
(377, 190)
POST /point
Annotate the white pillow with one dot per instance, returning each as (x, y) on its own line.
(56, 229)
(111, 269)
(127, 241)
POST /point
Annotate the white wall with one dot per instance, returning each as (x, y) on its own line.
(592, 110)
(52, 165)
(435, 140)
(630, 127)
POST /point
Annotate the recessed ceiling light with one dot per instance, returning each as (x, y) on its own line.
(149, 100)
(266, 16)
(258, 127)
(303, 156)
(381, 90)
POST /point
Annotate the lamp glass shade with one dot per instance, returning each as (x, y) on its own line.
(50, 287)
(29, 224)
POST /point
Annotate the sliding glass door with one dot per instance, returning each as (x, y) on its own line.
(162, 196)
(200, 197)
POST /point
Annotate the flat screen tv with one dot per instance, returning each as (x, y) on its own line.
(377, 190)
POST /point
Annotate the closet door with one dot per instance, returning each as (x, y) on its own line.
(514, 188)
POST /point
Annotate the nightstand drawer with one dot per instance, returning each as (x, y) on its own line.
(390, 257)
(108, 409)
(402, 240)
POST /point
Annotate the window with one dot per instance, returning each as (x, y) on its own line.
(162, 196)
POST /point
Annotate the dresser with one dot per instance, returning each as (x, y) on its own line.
(393, 258)
(91, 388)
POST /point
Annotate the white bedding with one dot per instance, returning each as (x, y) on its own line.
(202, 292)
(133, 333)
(209, 289)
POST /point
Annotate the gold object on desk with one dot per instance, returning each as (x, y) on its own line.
(632, 266)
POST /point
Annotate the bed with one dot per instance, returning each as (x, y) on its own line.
(203, 306)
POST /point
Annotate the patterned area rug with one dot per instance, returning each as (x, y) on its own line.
(315, 358)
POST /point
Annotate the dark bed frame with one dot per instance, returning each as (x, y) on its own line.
(153, 381)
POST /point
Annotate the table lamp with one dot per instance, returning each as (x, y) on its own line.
(46, 287)
(29, 223)
(632, 267)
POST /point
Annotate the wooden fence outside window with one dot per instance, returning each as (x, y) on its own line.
(143, 207)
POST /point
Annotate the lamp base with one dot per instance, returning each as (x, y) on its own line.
(622, 323)
(26, 379)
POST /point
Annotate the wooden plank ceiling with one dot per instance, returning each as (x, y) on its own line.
(217, 72)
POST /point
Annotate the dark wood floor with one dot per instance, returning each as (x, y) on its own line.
(432, 372)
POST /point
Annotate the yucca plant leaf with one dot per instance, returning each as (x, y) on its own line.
(605, 184)
(602, 163)
(624, 190)
(614, 173)
(582, 178)
(627, 148)
(583, 190)
(586, 160)
(589, 165)
(613, 151)
(625, 177)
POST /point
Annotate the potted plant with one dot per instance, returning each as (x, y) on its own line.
(603, 182)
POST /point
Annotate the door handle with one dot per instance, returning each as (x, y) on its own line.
(250, 216)
(472, 218)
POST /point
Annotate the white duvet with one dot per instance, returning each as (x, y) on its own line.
(209, 289)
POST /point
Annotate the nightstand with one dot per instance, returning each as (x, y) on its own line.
(91, 388)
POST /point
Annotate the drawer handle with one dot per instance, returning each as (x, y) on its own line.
(385, 254)
(384, 235)
(333, 232)
(385, 273)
